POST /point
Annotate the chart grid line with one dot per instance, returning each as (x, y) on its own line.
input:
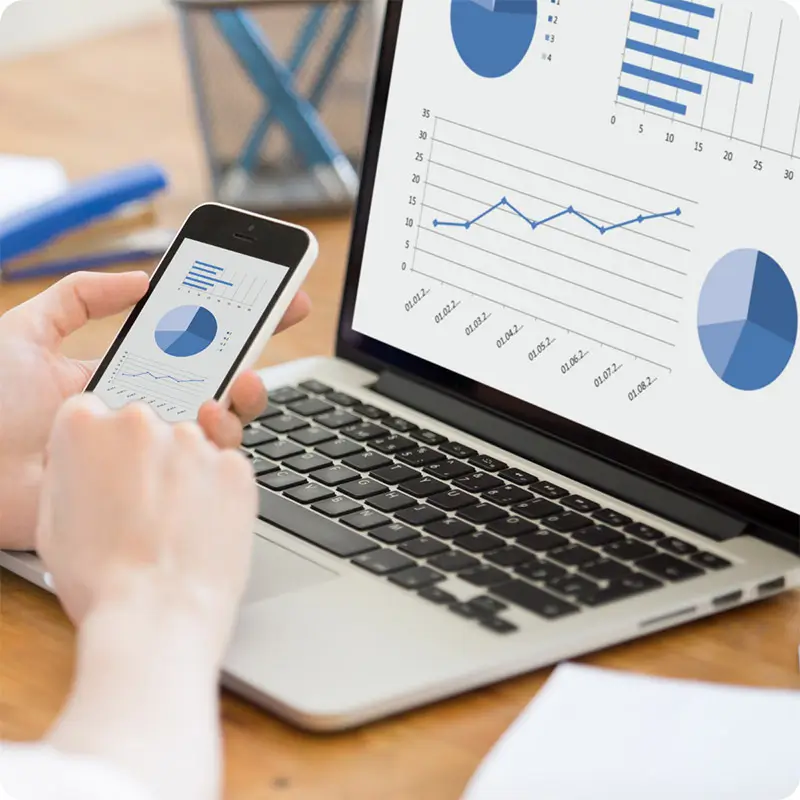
(686, 5)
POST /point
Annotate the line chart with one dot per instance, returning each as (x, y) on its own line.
(147, 373)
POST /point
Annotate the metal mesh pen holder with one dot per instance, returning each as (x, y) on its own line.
(281, 88)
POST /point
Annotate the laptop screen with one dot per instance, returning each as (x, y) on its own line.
(585, 206)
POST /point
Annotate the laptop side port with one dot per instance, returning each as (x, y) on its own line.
(730, 599)
(771, 587)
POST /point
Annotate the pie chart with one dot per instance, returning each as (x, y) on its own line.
(186, 331)
(747, 320)
(493, 36)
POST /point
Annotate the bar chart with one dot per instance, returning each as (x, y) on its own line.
(208, 280)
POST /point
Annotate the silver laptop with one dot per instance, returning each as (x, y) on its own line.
(564, 402)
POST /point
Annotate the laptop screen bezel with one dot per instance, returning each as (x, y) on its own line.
(379, 357)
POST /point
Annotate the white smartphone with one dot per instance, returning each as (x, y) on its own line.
(214, 301)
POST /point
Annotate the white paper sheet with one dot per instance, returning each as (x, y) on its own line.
(26, 182)
(597, 735)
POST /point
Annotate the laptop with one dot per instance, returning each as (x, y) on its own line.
(563, 399)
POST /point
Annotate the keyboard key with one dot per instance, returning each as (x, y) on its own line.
(420, 457)
(394, 533)
(480, 542)
(311, 527)
(370, 412)
(643, 532)
(478, 482)
(511, 527)
(394, 443)
(535, 600)
(336, 419)
(286, 394)
(572, 556)
(621, 589)
(310, 407)
(669, 568)
(424, 487)
(383, 562)
(366, 487)
(283, 479)
(535, 509)
(263, 467)
(391, 501)
(417, 578)
(428, 437)
(285, 423)
(365, 520)
(278, 451)
(498, 625)
(449, 470)
(342, 399)
(252, 437)
(335, 475)
(419, 515)
(678, 547)
(315, 387)
(597, 536)
(452, 500)
(517, 476)
(509, 556)
(400, 425)
(458, 450)
(307, 462)
(453, 562)
(542, 541)
(605, 569)
(549, 490)
(481, 513)
(566, 522)
(366, 462)
(340, 448)
(612, 517)
(364, 431)
(487, 463)
(464, 610)
(438, 596)
(710, 561)
(578, 503)
(424, 547)
(396, 473)
(573, 585)
(269, 413)
(629, 550)
(540, 571)
(247, 454)
(337, 507)
(484, 575)
(487, 606)
(312, 436)
(449, 528)
(309, 493)
(507, 495)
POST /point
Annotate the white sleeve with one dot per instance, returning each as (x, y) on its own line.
(39, 772)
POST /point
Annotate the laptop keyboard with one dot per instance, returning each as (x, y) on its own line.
(410, 505)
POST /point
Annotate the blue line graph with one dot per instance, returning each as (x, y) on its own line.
(504, 203)
(161, 377)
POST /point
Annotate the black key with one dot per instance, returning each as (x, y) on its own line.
(449, 528)
(438, 596)
(578, 503)
(424, 547)
(420, 457)
(498, 625)
(572, 556)
(478, 482)
(481, 513)
(286, 394)
(396, 473)
(269, 413)
(532, 599)
(335, 475)
(419, 515)
(263, 467)
(370, 412)
(391, 501)
(449, 470)
(549, 490)
(361, 489)
(453, 562)
(366, 462)
(511, 527)
(597, 536)
(394, 533)
(337, 507)
(710, 561)
(509, 556)
(424, 487)
(315, 387)
(573, 585)
(312, 436)
(309, 493)
(392, 444)
(517, 476)
(535, 509)
(480, 542)
(644, 532)
(678, 547)
(417, 578)
(336, 419)
(484, 575)
(458, 450)
(629, 550)
(364, 431)
(285, 423)
(605, 569)
(278, 451)
(342, 399)
(400, 425)
(567, 522)
(283, 479)
(487, 463)
(252, 437)
(311, 527)
(365, 520)
(612, 517)
(428, 437)
(542, 541)
(339, 448)
(452, 500)
(669, 568)
(383, 562)
(507, 495)
(619, 590)
(464, 610)
(540, 571)
(310, 407)
(307, 462)
(487, 606)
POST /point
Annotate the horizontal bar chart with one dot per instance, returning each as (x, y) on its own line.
(662, 77)
(690, 61)
(686, 5)
(652, 100)
(665, 25)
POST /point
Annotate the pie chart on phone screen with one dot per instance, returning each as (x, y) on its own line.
(186, 331)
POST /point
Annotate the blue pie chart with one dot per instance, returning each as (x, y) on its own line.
(747, 320)
(186, 331)
(493, 36)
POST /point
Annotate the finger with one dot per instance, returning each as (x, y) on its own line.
(297, 311)
(248, 397)
(220, 426)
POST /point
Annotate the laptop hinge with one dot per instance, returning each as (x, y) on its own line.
(562, 458)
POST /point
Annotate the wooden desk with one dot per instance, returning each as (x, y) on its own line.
(101, 105)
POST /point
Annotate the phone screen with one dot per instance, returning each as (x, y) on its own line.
(182, 343)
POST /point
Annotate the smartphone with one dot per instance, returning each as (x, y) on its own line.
(214, 301)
